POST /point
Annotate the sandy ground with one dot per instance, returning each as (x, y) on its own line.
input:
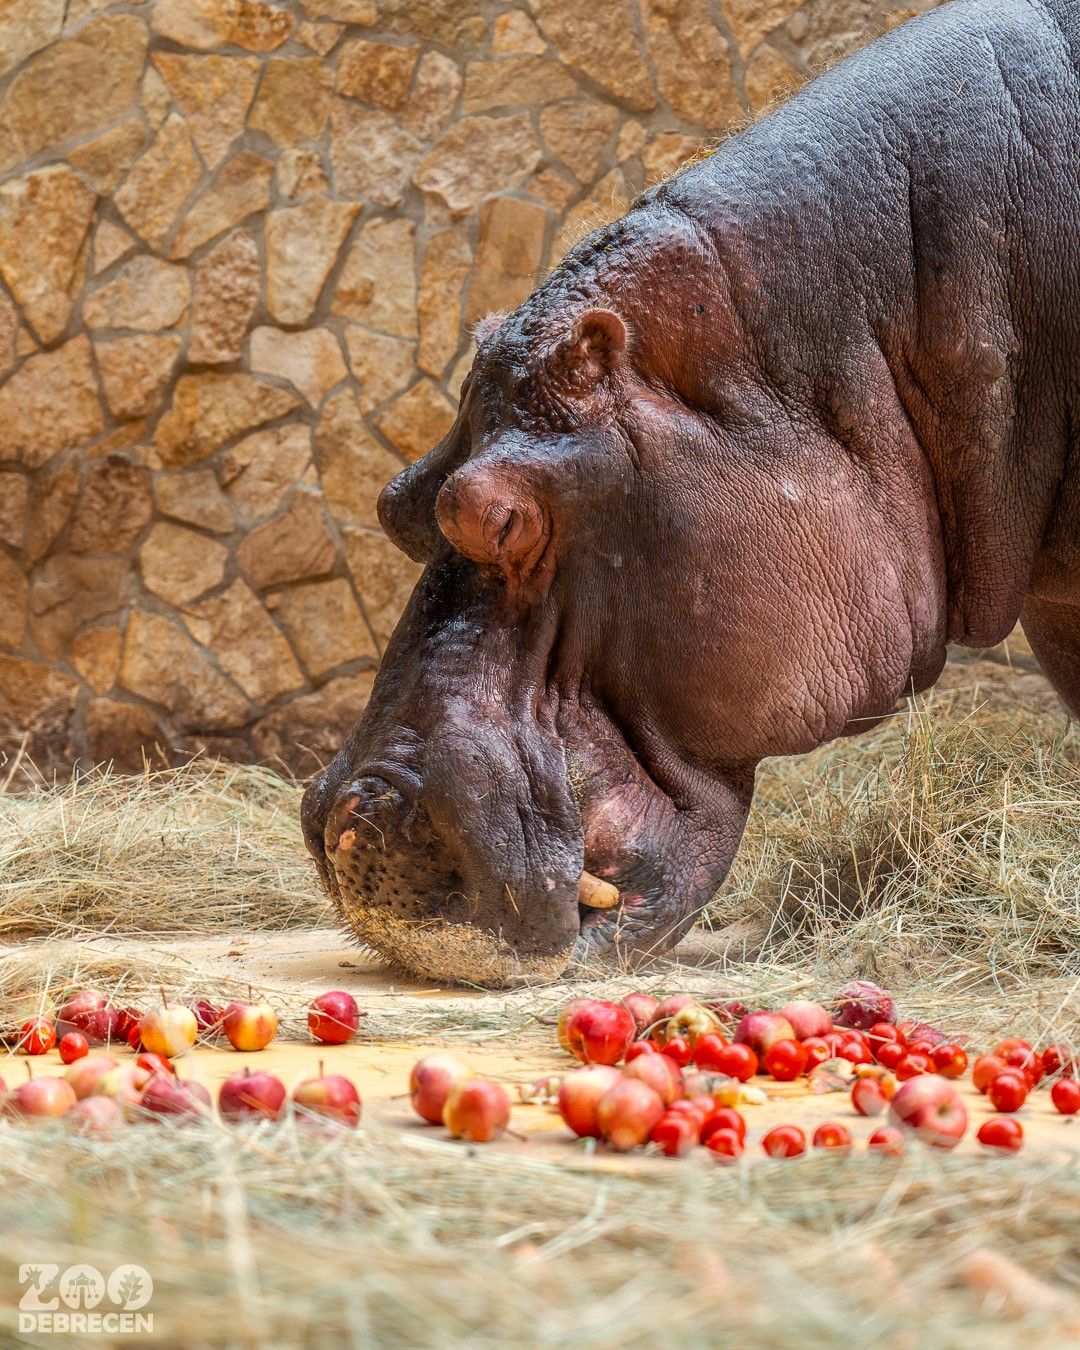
(297, 964)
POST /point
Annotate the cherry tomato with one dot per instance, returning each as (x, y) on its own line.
(854, 1051)
(1058, 1058)
(724, 1145)
(867, 1097)
(737, 1061)
(723, 1118)
(1010, 1043)
(831, 1134)
(37, 1036)
(707, 1050)
(1065, 1094)
(73, 1046)
(1008, 1091)
(678, 1049)
(1027, 1061)
(883, 1031)
(887, 1139)
(985, 1069)
(784, 1141)
(675, 1134)
(154, 1063)
(921, 1047)
(889, 1054)
(1001, 1132)
(636, 1048)
(949, 1060)
(913, 1064)
(817, 1051)
(785, 1060)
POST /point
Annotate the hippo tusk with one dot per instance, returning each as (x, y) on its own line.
(595, 893)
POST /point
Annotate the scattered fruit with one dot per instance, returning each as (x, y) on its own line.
(807, 1019)
(725, 1145)
(831, 1134)
(986, 1069)
(86, 1073)
(887, 1139)
(1001, 1132)
(249, 1026)
(1059, 1058)
(660, 1073)
(674, 1134)
(637, 1048)
(334, 1018)
(95, 1115)
(931, 1107)
(154, 1063)
(207, 1016)
(678, 1050)
(784, 1141)
(251, 1096)
(73, 1046)
(169, 1030)
(599, 1032)
(642, 1008)
(723, 1118)
(1008, 1091)
(37, 1036)
(868, 1097)
(862, 1004)
(580, 1095)
(759, 1030)
(40, 1097)
(432, 1080)
(167, 1095)
(785, 1060)
(332, 1096)
(628, 1113)
(889, 1054)
(477, 1110)
(949, 1060)
(1065, 1094)
(86, 1012)
(737, 1061)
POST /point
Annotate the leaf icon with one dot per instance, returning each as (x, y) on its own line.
(130, 1288)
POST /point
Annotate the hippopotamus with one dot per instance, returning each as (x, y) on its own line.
(724, 487)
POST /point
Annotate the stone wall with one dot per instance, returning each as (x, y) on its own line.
(241, 246)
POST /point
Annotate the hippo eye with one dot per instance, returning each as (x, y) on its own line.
(490, 515)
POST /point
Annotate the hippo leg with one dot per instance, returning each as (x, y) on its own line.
(1053, 629)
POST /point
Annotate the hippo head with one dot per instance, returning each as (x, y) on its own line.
(611, 630)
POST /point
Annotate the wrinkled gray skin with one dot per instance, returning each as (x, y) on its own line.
(723, 488)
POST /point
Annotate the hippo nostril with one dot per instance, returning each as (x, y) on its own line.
(367, 804)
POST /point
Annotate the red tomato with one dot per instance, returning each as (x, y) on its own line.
(985, 1069)
(737, 1061)
(854, 1051)
(73, 1046)
(913, 1064)
(1027, 1061)
(724, 1145)
(707, 1049)
(921, 1047)
(817, 1050)
(1058, 1058)
(1065, 1094)
(675, 1134)
(785, 1060)
(887, 1139)
(949, 1060)
(37, 1036)
(1010, 1043)
(867, 1097)
(723, 1118)
(1008, 1091)
(154, 1063)
(889, 1054)
(784, 1141)
(636, 1048)
(1001, 1132)
(831, 1134)
(884, 1031)
(678, 1049)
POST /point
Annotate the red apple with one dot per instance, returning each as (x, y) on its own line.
(642, 1008)
(580, 1095)
(125, 1022)
(628, 1114)
(85, 1074)
(154, 1063)
(478, 1109)
(690, 1024)
(599, 1032)
(87, 1012)
(207, 1016)
(862, 1004)
(40, 1097)
(807, 1019)
(331, 1096)
(124, 1083)
(250, 1026)
(931, 1107)
(251, 1096)
(759, 1030)
(95, 1115)
(922, 1031)
(168, 1030)
(431, 1082)
(660, 1073)
(333, 1018)
(166, 1095)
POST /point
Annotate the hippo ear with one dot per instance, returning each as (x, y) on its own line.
(594, 346)
(490, 514)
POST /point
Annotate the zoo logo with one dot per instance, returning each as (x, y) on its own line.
(82, 1288)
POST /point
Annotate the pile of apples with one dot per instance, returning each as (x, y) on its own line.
(686, 1066)
(97, 1092)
